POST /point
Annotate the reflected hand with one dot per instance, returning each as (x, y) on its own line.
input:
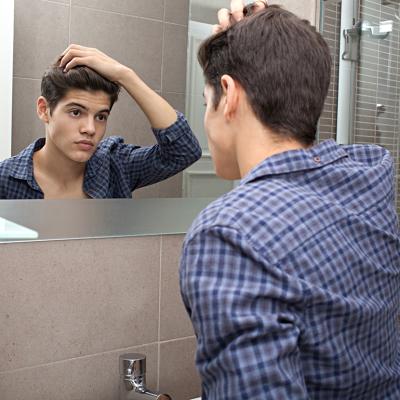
(106, 66)
(227, 18)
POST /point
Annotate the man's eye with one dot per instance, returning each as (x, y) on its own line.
(102, 117)
(75, 113)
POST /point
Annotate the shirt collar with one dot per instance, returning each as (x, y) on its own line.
(22, 167)
(317, 156)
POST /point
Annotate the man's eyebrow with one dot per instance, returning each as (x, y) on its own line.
(74, 104)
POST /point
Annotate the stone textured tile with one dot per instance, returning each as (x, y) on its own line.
(94, 377)
(178, 375)
(147, 192)
(132, 41)
(177, 11)
(174, 321)
(40, 34)
(140, 8)
(128, 120)
(177, 100)
(26, 125)
(174, 59)
(60, 300)
(172, 187)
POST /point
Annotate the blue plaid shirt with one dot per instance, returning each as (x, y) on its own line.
(115, 169)
(292, 280)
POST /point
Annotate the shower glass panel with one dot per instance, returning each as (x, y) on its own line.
(376, 109)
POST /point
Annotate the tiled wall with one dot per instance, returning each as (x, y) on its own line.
(150, 36)
(330, 29)
(377, 81)
(68, 309)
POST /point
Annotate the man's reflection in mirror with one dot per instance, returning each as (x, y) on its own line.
(73, 160)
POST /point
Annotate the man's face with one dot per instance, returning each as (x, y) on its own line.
(220, 137)
(78, 123)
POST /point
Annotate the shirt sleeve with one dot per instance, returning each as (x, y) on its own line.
(176, 149)
(247, 334)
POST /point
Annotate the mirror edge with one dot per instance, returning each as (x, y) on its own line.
(6, 75)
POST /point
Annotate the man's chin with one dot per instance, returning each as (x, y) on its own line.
(81, 158)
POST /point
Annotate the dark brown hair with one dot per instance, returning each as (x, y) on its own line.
(56, 83)
(282, 63)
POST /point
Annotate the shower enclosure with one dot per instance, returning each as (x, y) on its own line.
(363, 101)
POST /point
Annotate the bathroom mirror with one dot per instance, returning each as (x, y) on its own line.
(154, 37)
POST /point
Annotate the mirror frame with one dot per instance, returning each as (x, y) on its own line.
(6, 75)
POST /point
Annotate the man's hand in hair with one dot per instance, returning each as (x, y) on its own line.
(75, 55)
(238, 11)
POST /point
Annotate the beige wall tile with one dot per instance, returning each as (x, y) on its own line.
(60, 300)
(174, 60)
(86, 378)
(177, 11)
(40, 33)
(174, 321)
(135, 42)
(177, 100)
(172, 187)
(178, 375)
(147, 192)
(128, 120)
(140, 8)
(26, 125)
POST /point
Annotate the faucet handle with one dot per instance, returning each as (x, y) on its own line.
(132, 364)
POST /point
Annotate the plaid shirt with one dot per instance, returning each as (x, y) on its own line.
(115, 169)
(292, 280)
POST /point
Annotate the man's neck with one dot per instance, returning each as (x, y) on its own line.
(256, 143)
(52, 164)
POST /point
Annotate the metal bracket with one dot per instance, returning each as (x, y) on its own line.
(352, 44)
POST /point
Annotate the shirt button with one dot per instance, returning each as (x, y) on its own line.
(317, 160)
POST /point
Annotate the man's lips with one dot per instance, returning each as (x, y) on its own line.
(85, 145)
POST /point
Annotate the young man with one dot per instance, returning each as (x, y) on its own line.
(73, 160)
(291, 280)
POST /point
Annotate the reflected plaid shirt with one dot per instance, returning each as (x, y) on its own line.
(292, 280)
(115, 169)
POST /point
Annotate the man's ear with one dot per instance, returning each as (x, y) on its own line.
(43, 109)
(230, 96)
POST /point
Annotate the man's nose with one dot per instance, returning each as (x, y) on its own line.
(89, 126)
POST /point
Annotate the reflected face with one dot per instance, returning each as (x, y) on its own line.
(220, 137)
(78, 123)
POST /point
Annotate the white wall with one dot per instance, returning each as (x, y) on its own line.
(6, 71)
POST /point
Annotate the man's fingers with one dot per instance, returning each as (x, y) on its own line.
(216, 29)
(73, 63)
(227, 18)
(237, 7)
(260, 5)
(71, 53)
(224, 18)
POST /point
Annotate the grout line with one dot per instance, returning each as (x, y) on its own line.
(129, 15)
(159, 315)
(70, 22)
(56, 2)
(178, 339)
(27, 78)
(87, 356)
(163, 49)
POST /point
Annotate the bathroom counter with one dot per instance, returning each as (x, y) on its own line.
(83, 219)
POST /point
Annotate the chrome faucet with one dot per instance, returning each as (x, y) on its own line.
(132, 371)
